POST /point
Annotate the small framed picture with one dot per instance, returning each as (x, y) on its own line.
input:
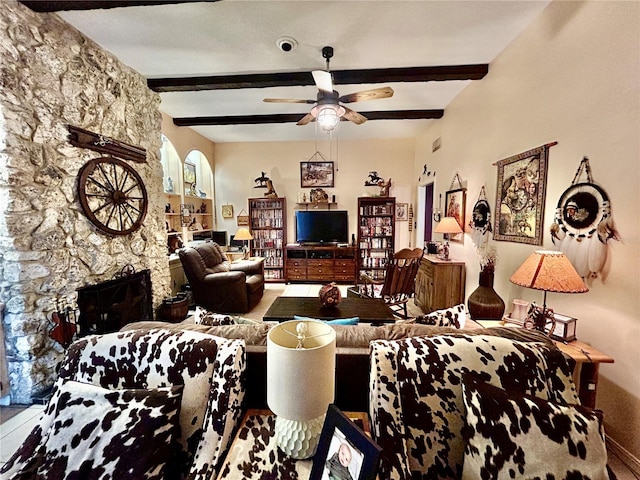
(189, 173)
(344, 451)
(316, 174)
(455, 201)
(402, 212)
(227, 211)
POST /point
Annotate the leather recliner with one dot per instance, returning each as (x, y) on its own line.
(219, 285)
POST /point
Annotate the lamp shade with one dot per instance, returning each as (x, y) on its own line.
(550, 271)
(448, 225)
(301, 381)
(243, 234)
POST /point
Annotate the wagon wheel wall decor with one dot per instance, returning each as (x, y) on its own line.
(112, 195)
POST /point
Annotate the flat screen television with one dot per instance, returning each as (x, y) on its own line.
(322, 226)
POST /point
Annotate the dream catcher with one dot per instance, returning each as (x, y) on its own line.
(583, 224)
(480, 222)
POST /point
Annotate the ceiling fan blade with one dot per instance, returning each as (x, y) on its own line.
(354, 116)
(306, 119)
(287, 100)
(323, 80)
(374, 94)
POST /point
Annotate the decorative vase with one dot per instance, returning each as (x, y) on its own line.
(484, 303)
(330, 295)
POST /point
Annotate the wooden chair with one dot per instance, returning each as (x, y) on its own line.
(398, 283)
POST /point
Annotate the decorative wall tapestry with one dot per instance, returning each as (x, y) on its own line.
(480, 222)
(584, 224)
(520, 196)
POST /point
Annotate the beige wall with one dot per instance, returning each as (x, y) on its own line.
(238, 164)
(185, 140)
(571, 77)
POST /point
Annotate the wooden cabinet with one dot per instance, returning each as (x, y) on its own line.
(172, 221)
(268, 222)
(439, 284)
(376, 229)
(320, 264)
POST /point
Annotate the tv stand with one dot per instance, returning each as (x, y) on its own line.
(320, 263)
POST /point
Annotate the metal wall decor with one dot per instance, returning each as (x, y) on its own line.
(112, 195)
(583, 224)
(520, 196)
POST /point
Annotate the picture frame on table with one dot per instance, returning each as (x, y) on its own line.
(344, 449)
(402, 212)
(455, 203)
(189, 173)
(316, 174)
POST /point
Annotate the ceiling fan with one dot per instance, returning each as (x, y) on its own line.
(328, 108)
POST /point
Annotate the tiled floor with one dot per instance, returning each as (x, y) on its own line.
(15, 427)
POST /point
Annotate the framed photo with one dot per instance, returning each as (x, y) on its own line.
(520, 197)
(316, 174)
(189, 173)
(344, 451)
(243, 218)
(227, 211)
(402, 212)
(455, 201)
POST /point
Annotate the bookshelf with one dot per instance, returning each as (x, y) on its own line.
(376, 229)
(268, 223)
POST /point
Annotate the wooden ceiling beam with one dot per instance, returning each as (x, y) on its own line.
(42, 6)
(295, 117)
(340, 77)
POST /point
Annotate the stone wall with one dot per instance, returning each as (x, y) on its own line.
(52, 76)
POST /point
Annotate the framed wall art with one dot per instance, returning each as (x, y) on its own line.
(520, 197)
(402, 212)
(455, 201)
(227, 211)
(344, 450)
(316, 174)
(189, 173)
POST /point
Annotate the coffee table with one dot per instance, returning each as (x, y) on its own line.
(369, 310)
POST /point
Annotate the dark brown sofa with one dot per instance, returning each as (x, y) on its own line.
(219, 285)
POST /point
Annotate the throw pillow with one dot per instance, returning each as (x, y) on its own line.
(202, 316)
(337, 321)
(104, 434)
(448, 317)
(520, 436)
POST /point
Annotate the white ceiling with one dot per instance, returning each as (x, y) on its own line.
(240, 37)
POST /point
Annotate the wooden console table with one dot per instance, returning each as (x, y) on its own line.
(320, 263)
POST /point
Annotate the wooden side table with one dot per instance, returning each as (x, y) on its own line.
(585, 374)
(254, 454)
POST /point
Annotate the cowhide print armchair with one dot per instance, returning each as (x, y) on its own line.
(478, 406)
(147, 404)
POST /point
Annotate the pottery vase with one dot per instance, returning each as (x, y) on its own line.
(484, 303)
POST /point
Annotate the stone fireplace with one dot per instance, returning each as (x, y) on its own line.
(51, 77)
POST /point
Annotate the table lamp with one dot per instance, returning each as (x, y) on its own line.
(548, 271)
(447, 226)
(244, 234)
(301, 365)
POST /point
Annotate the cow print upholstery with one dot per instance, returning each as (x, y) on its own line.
(209, 369)
(454, 317)
(416, 402)
(520, 436)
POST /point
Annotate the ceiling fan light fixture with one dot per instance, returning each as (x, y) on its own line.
(328, 116)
